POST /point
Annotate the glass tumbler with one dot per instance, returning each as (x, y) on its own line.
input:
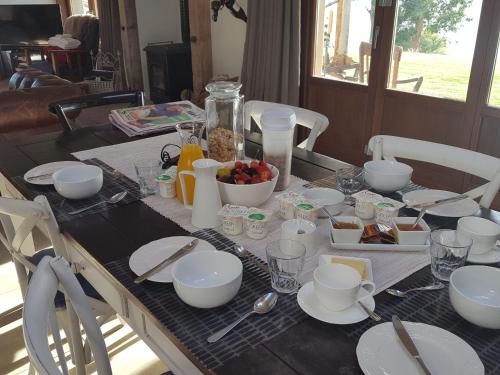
(147, 172)
(285, 259)
(448, 252)
(349, 181)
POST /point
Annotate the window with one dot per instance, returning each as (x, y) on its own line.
(343, 39)
(433, 46)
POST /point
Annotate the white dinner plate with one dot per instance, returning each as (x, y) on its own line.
(380, 352)
(490, 257)
(45, 169)
(151, 254)
(465, 207)
(310, 304)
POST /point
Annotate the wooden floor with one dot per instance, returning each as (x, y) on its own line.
(128, 354)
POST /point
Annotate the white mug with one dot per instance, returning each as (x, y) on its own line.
(337, 286)
(290, 231)
(483, 233)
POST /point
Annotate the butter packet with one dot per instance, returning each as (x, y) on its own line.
(256, 221)
(287, 203)
(232, 219)
(307, 209)
(387, 209)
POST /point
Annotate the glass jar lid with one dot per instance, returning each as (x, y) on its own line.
(223, 89)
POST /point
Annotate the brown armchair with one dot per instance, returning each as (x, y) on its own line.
(85, 28)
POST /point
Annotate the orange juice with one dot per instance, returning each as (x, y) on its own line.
(189, 153)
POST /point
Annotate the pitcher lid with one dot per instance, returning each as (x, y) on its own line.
(278, 119)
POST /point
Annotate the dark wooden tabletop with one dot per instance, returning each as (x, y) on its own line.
(310, 347)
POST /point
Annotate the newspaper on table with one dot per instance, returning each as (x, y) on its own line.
(155, 117)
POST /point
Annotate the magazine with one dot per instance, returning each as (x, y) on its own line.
(155, 117)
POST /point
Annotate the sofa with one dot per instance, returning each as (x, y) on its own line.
(24, 106)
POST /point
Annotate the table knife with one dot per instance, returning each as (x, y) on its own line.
(44, 176)
(408, 342)
(439, 202)
(178, 254)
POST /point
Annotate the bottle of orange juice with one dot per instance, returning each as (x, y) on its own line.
(191, 135)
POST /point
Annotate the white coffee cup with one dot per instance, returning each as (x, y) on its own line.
(483, 233)
(337, 286)
(290, 231)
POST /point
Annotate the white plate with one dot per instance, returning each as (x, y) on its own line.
(380, 352)
(378, 246)
(490, 257)
(465, 207)
(151, 254)
(47, 168)
(326, 259)
(310, 304)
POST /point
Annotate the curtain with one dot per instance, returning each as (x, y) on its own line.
(271, 63)
(109, 26)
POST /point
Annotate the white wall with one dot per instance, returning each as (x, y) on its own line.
(158, 21)
(228, 41)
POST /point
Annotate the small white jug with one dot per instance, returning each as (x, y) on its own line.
(206, 202)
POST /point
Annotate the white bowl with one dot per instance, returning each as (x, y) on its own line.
(347, 235)
(411, 237)
(475, 295)
(331, 199)
(78, 182)
(207, 279)
(248, 195)
(387, 175)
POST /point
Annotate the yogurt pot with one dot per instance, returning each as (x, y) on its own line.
(232, 219)
(307, 210)
(287, 203)
(386, 210)
(256, 222)
(166, 183)
(365, 204)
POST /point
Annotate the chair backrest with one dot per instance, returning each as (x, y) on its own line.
(39, 314)
(31, 214)
(66, 108)
(314, 121)
(468, 161)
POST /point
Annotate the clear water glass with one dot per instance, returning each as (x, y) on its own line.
(448, 252)
(147, 171)
(285, 259)
(349, 181)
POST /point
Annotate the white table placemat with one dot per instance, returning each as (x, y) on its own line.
(388, 267)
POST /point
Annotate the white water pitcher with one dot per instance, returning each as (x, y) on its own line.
(206, 202)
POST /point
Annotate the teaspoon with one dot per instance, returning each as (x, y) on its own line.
(113, 200)
(243, 253)
(262, 305)
(403, 294)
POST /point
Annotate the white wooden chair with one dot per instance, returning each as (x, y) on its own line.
(314, 121)
(39, 310)
(39, 213)
(471, 162)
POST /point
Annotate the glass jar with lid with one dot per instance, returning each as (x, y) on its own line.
(225, 127)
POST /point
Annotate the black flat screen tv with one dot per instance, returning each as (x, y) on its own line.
(29, 24)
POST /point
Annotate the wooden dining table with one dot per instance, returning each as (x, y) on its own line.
(309, 347)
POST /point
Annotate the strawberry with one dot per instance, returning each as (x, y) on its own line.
(264, 173)
(254, 164)
(263, 163)
(238, 165)
(244, 166)
(240, 182)
(245, 177)
(256, 180)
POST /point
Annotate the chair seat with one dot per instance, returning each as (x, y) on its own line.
(59, 300)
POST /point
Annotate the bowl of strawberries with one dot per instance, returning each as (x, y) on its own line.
(247, 182)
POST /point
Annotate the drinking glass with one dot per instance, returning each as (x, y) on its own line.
(448, 252)
(147, 171)
(349, 181)
(285, 259)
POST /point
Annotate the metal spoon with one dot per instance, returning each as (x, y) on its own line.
(262, 305)
(243, 253)
(419, 217)
(372, 314)
(402, 294)
(332, 219)
(113, 200)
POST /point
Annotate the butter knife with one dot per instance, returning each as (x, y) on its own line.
(439, 202)
(408, 343)
(178, 254)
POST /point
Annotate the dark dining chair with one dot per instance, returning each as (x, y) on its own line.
(94, 109)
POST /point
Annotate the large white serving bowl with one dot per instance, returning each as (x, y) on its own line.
(331, 199)
(475, 295)
(207, 279)
(79, 181)
(387, 175)
(248, 195)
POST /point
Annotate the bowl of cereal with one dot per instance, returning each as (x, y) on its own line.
(247, 183)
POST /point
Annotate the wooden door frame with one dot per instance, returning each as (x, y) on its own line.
(130, 44)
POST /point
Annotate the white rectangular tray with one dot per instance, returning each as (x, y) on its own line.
(377, 247)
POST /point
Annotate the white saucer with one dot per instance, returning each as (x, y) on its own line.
(151, 254)
(310, 304)
(465, 207)
(490, 257)
(46, 169)
(380, 352)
